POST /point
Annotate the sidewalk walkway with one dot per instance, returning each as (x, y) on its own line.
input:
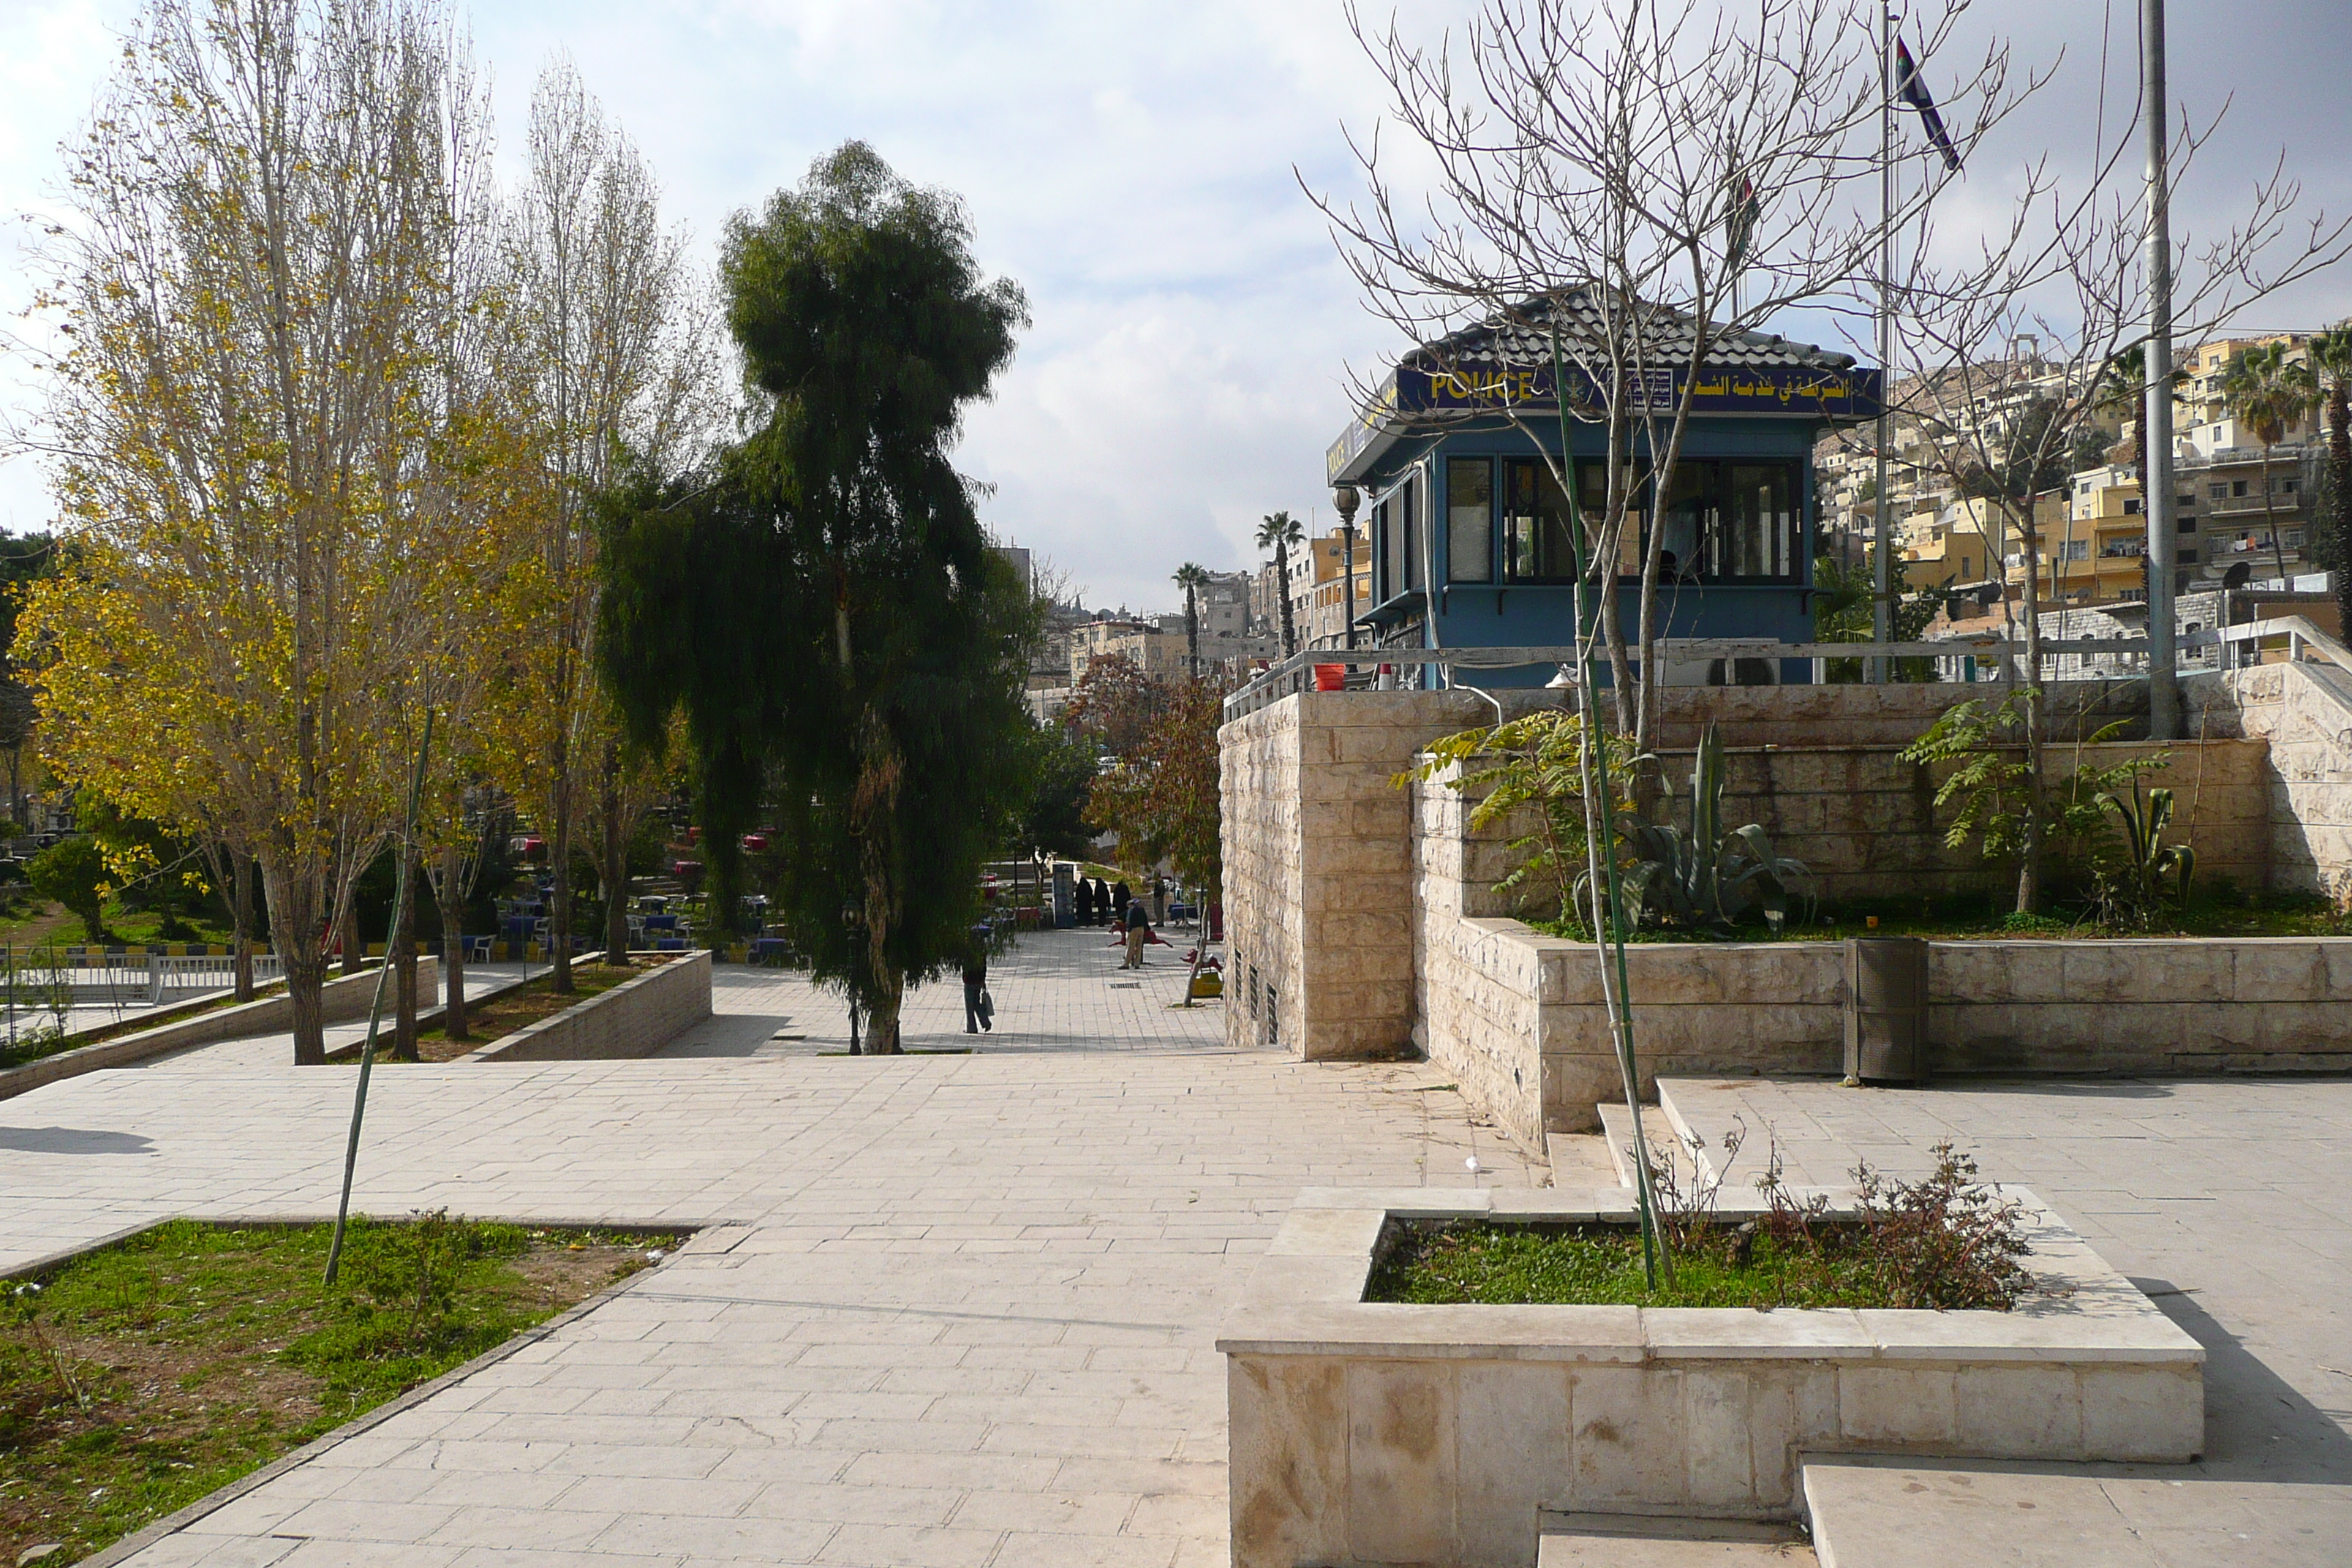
(954, 1309)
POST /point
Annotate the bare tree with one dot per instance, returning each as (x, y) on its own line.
(2067, 270)
(1629, 189)
(244, 277)
(620, 361)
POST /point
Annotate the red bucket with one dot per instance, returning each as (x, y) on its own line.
(1330, 677)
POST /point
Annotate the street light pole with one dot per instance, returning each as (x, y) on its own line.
(2156, 439)
(1344, 501)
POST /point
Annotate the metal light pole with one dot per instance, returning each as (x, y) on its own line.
(1882, 570)
(2155, 459)
(1344, 501)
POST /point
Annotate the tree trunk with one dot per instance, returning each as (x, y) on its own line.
(873, 815)
(240, 915)
(401, 954)
(2029, 869)
(301, 915)
(2270, 522)
(453, 948)
(1282, 583)
(559, 917)
(354, 954)
(616, 862)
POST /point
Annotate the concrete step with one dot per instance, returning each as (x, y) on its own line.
(1665, 1141)
(1638, 1540)
(1581, 1159)
(1898, 1511)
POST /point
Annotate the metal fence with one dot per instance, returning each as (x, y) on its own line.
(1992, 657)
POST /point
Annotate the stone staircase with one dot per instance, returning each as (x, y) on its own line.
(1871, 1510)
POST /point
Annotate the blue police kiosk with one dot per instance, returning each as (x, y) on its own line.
(1469, 528)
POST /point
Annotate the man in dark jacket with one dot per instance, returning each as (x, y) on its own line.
(978, 1010)
(1139, 931)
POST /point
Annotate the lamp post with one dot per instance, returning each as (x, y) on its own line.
(1344, 501)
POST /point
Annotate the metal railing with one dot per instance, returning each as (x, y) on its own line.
(2232, 647)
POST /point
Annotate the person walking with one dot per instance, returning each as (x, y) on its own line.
(1139, 930)
(1159, 899)
(1119, 896)
(979, 1008)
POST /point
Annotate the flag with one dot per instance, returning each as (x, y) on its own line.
(1911, 90)
(1739, 223)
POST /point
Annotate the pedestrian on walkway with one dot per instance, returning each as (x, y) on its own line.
(979, 1007)
(1159, 899)
(1119, 897)
(1139, 930)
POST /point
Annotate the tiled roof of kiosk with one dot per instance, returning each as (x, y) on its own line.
(1526, 340)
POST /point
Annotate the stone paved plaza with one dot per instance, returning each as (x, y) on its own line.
(959, 1310)
(953, 1309)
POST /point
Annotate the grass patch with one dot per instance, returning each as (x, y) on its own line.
(1600, 1265)
(137, 1379)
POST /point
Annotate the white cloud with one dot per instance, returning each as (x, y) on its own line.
(1131, 165)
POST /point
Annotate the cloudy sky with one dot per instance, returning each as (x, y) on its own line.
(1132, 166)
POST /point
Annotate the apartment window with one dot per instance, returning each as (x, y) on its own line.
(2217, 492)
(2074, 549)
(2185, 558)
(1469, 520)
(2184, 524)
(2188, 499)
(2237, 487)
(2295, 539)
(2131, 508)
(2284, 487)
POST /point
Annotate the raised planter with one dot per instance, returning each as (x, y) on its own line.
(1382, 1432)
(1518, 1015)
(634, 1018)
(343, 999)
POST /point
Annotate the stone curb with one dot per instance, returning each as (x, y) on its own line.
(173, 1523)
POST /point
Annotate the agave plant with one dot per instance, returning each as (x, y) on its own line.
(1704, 876)
(2136, 889)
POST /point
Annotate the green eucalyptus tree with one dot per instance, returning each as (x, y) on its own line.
(822, 604)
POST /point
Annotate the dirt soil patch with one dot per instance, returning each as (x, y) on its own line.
(487, 1023)
(139, 1378)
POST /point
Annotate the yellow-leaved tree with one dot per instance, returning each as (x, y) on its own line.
(250, 429)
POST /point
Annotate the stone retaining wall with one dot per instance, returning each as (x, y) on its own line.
(1519, 1017)
(343, 999)
(2303, 713)
(634, 1018)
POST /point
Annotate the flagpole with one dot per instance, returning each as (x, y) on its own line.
(1882, 608)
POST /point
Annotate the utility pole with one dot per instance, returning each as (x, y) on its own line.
(1882, 572)
(2163, 677)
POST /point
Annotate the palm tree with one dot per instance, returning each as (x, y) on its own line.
(2331, 360)
(2267, 392)
(1193, 578)
(2123, 390)
(1281, 531)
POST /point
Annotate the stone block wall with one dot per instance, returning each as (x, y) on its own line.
(1863, 821)
(1318, 866)
(2303, 713)
(342, 999)
(636, 1018)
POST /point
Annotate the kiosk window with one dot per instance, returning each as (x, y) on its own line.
(1469, 520)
